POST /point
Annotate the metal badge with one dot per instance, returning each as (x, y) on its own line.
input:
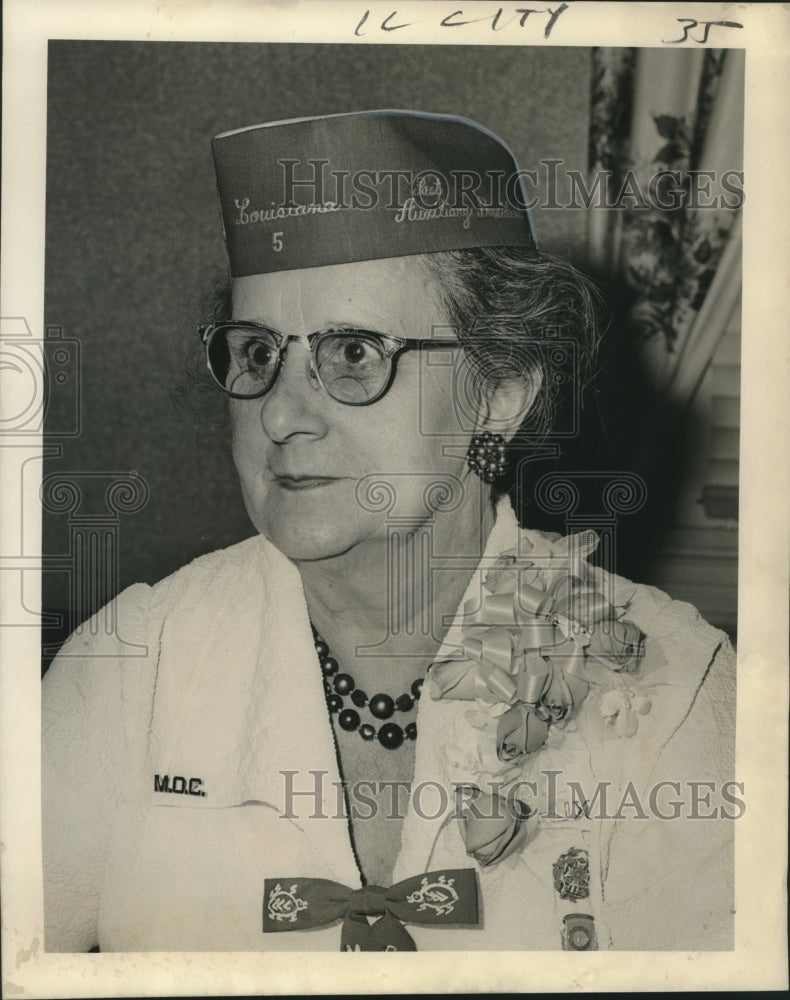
(572, 874)
(578, 933)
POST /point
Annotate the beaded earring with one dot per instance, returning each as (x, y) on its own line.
(486, 456)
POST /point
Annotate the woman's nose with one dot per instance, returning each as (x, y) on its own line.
(293, 406)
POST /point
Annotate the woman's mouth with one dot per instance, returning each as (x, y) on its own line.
(303, 482)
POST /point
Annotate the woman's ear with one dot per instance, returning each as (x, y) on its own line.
(505, 407)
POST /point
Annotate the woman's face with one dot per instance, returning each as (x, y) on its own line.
(301, 454)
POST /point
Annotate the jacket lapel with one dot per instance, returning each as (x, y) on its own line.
(239, 699)
(435, 720)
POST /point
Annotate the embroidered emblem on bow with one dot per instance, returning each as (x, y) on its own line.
(284, 904)
(373, 915)
(439, 896)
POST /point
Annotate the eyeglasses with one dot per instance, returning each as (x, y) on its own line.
(354, 366)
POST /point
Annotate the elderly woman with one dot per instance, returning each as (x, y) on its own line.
(392, 719)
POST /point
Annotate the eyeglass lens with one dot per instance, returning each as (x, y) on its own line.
(353, 366)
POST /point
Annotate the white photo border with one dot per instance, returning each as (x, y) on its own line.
(759, 959)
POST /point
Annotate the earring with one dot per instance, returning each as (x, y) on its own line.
(486, 456)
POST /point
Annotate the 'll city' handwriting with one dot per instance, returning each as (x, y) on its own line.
(499, 19)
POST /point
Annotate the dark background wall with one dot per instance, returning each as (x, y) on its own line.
(133, 246)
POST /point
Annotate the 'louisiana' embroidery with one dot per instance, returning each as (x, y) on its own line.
(572, 874)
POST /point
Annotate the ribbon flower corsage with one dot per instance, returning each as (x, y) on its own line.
(494, 826)
(527, 647)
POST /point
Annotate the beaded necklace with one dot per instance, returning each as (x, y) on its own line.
(381, 706)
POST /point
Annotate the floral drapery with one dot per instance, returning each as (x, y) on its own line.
(672, 250)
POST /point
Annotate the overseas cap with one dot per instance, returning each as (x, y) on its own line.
(341, 188)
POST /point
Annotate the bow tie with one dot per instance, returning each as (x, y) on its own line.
(440, 898)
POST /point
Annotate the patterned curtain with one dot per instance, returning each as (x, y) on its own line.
(674, 271)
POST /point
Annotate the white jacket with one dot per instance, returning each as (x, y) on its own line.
(210, 677)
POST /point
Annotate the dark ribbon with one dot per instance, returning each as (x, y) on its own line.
(441, 898)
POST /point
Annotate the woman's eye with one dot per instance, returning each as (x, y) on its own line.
(357, 351)
(259, 354)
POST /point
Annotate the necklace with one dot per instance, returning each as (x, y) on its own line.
(382, 706)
